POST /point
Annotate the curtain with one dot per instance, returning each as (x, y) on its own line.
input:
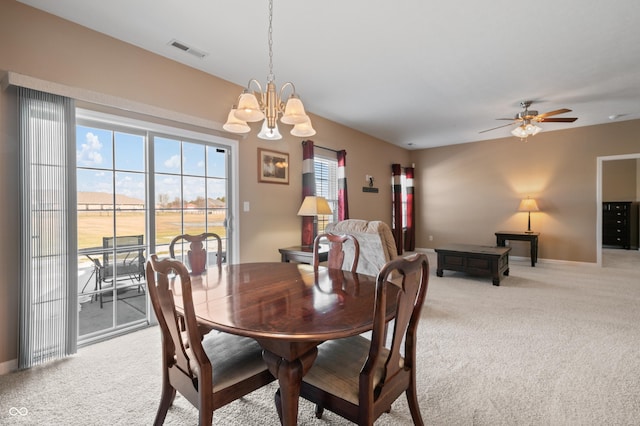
(48, 266)
(410, 234)
(308, 188)
(396, 228)
(343, 203)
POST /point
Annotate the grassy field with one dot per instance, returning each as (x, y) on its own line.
(92, 226)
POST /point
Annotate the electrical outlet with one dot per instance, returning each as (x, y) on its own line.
(430, 237)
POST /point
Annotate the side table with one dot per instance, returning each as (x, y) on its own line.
(532, 237)
(302, 254)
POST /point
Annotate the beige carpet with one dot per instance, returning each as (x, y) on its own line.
(558, 344)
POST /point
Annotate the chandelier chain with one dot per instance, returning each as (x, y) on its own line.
(270, 77)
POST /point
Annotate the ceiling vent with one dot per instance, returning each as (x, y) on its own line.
(185, 48)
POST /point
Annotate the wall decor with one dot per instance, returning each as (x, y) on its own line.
(273, 166)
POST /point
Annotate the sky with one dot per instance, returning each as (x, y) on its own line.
(106, 159)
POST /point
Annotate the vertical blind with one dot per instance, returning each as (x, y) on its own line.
(48, 279)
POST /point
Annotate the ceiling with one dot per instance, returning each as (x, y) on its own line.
(415, 73)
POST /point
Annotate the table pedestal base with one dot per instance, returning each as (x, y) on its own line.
(289, 375)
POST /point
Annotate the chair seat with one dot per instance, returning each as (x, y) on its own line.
(233, 358)
(336, 370)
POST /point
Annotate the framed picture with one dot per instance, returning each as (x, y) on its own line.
(273, 166)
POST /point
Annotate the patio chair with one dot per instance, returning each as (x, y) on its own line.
(208, 370)
(127, 264)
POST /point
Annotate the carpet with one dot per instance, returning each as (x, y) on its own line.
(552, 345)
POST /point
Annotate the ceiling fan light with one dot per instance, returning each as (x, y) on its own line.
(234, 124)
(532, 129)
(248, 108)
(294, 111)
(304, 129)
(519, 132)
(269, 134)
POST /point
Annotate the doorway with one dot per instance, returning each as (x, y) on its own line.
(599, 197)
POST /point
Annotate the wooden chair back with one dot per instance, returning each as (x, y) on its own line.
(186, 354)
(335, 257)
(360, 379)
(197, 254)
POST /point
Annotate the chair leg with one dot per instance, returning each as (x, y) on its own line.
(412, 399)
(168, 395)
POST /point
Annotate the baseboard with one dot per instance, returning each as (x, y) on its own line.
(8, 366)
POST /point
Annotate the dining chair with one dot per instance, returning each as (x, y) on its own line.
(208, 370)
(197, 254)
(336, 256)
(358, 378)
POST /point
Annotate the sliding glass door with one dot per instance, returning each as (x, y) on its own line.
(136, 190)
(112, 217)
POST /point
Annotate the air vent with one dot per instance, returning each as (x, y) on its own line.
(186, 48)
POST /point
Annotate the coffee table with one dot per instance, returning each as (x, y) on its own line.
(474, 260)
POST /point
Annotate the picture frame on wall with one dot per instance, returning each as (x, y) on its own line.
(273, 166)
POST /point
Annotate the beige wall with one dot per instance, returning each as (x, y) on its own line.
(619, 180)
(40, 45)
(467, 192)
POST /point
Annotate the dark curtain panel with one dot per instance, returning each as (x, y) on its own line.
(396, 228)
(308, 188)
(410, 235)
(343, 203)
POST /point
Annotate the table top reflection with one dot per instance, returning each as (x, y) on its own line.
(283, 301)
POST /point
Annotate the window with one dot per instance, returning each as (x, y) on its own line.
(403, 184)
(326, 171)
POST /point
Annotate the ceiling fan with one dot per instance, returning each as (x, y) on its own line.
(527, 119)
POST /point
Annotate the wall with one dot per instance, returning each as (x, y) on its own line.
(619, 180)
(467, 192)
(46, 47)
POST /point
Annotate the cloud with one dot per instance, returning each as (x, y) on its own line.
(89, 153)
(173, 162)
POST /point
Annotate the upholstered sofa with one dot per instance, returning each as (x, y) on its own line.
(377, 245)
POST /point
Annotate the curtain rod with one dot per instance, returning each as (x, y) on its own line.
(328, 149)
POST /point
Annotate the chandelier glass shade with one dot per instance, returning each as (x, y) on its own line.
(254, 104)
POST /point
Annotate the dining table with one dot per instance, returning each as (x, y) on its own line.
(289, 309)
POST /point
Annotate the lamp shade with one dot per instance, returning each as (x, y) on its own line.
(269, 134)
(303, 130)
(528, 205)
(314, 206)
(249, 108)
(294, 111)
(234, 124)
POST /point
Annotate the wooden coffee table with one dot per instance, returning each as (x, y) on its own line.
(474, 260)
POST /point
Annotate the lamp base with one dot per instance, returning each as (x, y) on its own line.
(528, 231)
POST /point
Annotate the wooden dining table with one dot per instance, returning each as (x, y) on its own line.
(289, 309)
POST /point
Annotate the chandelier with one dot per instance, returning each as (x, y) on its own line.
(255, 105)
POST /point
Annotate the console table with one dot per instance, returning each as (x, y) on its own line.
(475, 260)
(532, 237)
(303, 254)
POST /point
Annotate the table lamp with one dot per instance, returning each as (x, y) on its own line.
(528, 205)
(312, 206)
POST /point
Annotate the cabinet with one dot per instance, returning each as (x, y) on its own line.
(620, 224)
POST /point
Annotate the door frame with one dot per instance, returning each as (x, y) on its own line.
(599, 200)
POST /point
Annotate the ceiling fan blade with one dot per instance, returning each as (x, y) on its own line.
(550, 113)
(558, 120)
(499, 127)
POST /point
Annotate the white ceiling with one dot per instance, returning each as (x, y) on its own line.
(415, 73)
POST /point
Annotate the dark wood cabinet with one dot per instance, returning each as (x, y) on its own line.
(620, 224)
